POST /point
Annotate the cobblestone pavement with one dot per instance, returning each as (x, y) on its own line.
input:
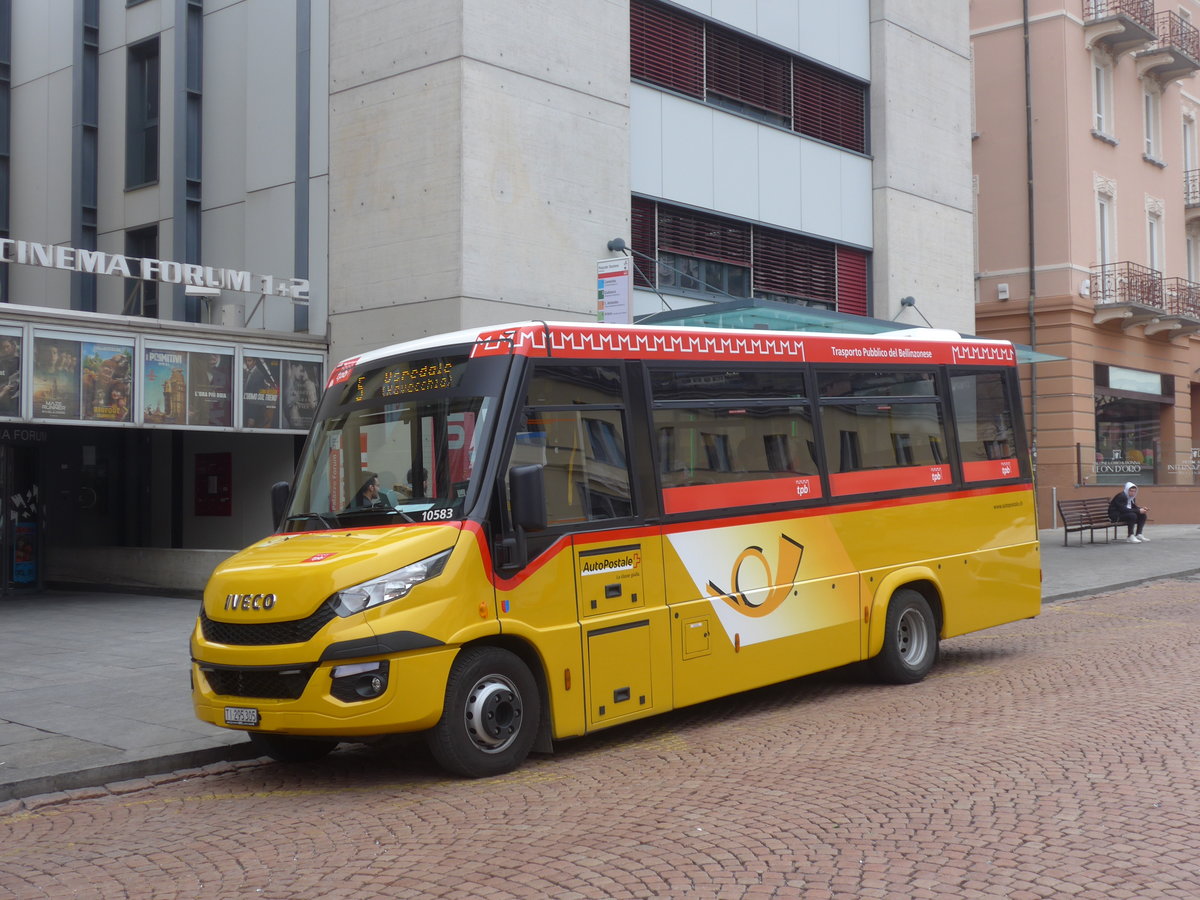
(1057, 757)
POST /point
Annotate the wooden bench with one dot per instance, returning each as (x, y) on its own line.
(1090, 515)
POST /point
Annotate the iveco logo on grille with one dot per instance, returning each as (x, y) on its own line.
(249, 601)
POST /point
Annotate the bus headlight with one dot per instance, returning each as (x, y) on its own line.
(388, 587)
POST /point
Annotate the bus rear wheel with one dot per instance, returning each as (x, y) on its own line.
(910, 640)
(288, 748)
(491, 714)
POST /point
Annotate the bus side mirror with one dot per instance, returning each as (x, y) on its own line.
(527, 494)
(279, 498)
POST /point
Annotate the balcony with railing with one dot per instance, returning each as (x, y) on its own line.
(1128, 295)
(1118, 25)
(1175, 52)
(1191, 196)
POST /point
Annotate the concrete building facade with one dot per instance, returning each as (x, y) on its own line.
(1100, 143)
(209, 201)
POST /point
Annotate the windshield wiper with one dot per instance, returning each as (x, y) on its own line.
(312, 515)
(357, 511)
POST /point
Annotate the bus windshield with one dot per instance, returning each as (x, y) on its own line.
(399, 441)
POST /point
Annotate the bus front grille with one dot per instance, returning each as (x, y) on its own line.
(296, 631)
(272, 683)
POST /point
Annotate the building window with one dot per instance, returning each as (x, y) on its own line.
(1105, 239)
(687, 252)
(704, 276)
(1102, 119)
(1193, 245)
(748, 76)
(1151, 104)
(666, 48)
(681, 52)
(1189, 142)
(829, 107)
(1154, 239)
(141, 295)
(141, 115)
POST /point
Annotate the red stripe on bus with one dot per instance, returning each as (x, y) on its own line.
(879, 480)
(991, 469)
(696, 497)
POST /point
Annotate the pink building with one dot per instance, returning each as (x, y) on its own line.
(1086, 112)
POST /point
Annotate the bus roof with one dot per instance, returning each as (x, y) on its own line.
(591, 340)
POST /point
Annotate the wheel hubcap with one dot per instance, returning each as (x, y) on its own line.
(911, 638)
(493, 713)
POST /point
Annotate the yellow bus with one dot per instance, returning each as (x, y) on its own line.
(514, 535)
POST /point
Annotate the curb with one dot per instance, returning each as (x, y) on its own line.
(60, 782)
(1118, 586)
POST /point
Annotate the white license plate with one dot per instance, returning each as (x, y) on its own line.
(241, 715)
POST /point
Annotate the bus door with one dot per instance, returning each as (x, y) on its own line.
(574, 427)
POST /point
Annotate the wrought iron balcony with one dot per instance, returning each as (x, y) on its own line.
(1191, 195)
(1118, 25)
(1181, 298)
(1176, 49)
(1128, 295)
(1127, 283)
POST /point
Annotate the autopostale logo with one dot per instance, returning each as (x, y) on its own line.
(778, 580)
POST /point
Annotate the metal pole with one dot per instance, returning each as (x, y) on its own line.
(1029, 194)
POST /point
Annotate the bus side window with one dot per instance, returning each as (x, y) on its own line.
(586, 468)
(574, 428)
(983, 417)
(884, 430)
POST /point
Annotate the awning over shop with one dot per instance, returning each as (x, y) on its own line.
(776, 316)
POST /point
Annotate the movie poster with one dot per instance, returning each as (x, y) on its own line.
(260, 392)
(10, 375)
(165, 387)
(210, 389)
(24, 570)
(301, 389)
(55, 378)
(107, 382)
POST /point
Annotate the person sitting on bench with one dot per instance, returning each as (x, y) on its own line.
(1123, 508)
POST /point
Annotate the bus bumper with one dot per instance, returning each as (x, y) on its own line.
(411, 698)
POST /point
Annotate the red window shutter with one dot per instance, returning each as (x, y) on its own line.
(707, 237)
(747, 71)
(829, 107)
(666, 48)
(642, 233)
(800, 267)
(851, 281)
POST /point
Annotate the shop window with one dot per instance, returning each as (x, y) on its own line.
(1127, 440)
(1130, 405)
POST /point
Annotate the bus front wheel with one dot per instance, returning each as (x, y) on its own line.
(491, 715)
(910, 640)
